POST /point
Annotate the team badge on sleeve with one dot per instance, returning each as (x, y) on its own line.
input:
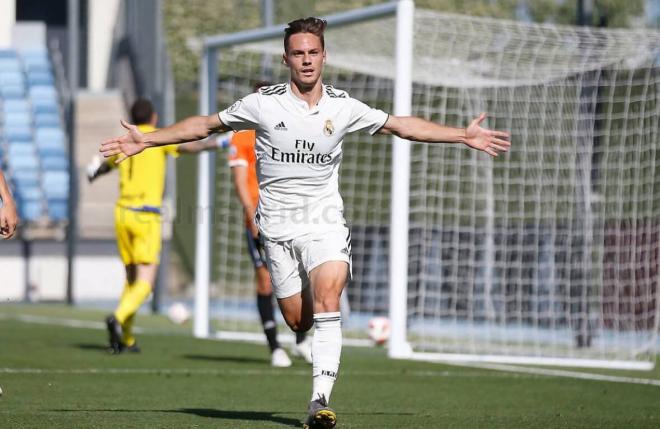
(234, 107)
(328, 128)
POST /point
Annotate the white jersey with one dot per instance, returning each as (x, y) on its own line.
(299, 151)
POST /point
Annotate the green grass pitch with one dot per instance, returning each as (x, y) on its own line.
(55, 376)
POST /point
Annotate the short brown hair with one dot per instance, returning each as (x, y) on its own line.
(311, 25)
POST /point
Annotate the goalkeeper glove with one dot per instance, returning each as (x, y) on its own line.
(96, 168)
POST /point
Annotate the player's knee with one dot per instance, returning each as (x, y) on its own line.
(298, 324)
(326, 303)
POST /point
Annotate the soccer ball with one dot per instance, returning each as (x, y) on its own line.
(178, 313)
(379, 330)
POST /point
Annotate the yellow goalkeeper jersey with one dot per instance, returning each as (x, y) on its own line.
(142, 177)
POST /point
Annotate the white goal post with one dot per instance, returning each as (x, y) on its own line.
(549, 254)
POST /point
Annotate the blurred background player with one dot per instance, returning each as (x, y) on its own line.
(243, 163)
(8, 216)
(138, 221)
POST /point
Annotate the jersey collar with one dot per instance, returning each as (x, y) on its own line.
(302, 105)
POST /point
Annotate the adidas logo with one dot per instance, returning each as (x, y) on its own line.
(281, 127)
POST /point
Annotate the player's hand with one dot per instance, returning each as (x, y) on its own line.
(125, 146)
(489, 141)
(8, 220)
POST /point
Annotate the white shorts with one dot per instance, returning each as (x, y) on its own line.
(290, 262)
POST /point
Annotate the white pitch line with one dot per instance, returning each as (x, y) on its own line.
(247, 372)
(497, 367)
(70, 323)
(562, 373)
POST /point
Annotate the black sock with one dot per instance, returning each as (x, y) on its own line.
(300, 337)
(265, 306)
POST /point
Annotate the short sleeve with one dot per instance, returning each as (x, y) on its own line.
(243, 114)
(171, 150)
(365, 117)
(238, 149)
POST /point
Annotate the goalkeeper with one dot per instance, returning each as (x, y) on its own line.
(300, 127)
(138, 221)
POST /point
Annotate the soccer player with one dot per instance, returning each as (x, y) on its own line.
(300, 126)
(8, 216)
(243, 165)
(138, 221)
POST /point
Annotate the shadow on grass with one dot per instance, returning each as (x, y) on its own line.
(253, 416)
(96, 347)
(220, 358)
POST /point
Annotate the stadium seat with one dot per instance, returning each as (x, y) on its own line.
(25, 179)
(47, 149)
(54, 162)
(20, 149)
(43, 120)
(45, 106)
(40, 79)
(51, 134)
(11, 78)
(24, 162)
(57, 209)
(17, 119)
(8, 54)
(30, 210)
(13, 133)
(16, 106)
(43, 92)
(12, 92)
(55, 184)
(10, 65)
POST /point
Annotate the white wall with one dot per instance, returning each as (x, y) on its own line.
(7, 20)
(102, 17)
(99, 274)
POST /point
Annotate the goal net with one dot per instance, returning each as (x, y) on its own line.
(547, 254)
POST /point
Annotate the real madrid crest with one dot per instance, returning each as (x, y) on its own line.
(328, 128)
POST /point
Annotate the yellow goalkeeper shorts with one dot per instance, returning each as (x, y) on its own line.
(138, 235)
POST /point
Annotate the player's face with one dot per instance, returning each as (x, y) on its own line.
(305, 58)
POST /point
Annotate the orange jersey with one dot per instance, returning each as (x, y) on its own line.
(241, 153)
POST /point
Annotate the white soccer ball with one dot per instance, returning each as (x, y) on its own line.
(379, 330)
(178, 313)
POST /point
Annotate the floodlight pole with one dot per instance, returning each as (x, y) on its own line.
(398, 278)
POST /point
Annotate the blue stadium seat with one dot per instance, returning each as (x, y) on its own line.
(45, 106)
(20, 149)
(10, 65)
(25, 162)
(54, 163)
(18, 119)
(55, 184)
(50, 148)
(42, 120)
(16, 106)
(57, 209)
(40, 79)
(25, 178)
(43, 92)
(8, 54)
(11, 78)
(12, 92)
(51, 134)
(13, 133)
(30, 210)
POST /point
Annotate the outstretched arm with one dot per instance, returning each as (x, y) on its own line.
(215, 142)
(8, 216)
(417, 129)
(187, 130)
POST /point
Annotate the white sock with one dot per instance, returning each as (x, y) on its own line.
(326, 350)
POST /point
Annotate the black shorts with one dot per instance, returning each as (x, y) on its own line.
(255, 249)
